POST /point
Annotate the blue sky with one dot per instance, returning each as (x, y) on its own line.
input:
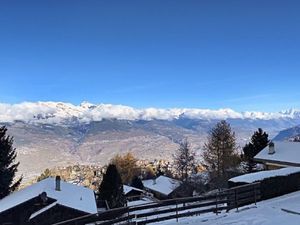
(243, 55)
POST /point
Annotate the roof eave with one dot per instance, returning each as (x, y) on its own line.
(283, 163)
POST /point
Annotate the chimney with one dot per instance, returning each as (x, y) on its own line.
(57, 183)
(271, 148)
(154, 181)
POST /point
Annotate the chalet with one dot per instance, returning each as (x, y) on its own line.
(47, 202)
(133, 193)
(261, 175)
(280, 155)
(270, 183)
(163, 187)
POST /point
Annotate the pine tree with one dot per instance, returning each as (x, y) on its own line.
(111, 188)
(259, 141)
(219, 153)
(137, 183)
(184, 161)
(8, 167)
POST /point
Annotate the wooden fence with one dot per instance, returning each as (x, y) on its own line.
(232, 198)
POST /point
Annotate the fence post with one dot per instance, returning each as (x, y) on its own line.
(176, 212)
(217, 203)
(135, 217)
(236, 200)
(254, 186)
(227, 200)
(128, 215)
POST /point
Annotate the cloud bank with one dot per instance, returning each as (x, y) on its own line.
(59, 112)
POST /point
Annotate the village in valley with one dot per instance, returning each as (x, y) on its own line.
(128, 190)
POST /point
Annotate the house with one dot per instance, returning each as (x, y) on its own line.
(133, 193)
(261, 175)
(163, 187)
(46, 202)
(136, 196)
(280, 154)
(271, 183)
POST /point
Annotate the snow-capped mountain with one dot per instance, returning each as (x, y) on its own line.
(58, 112)
(49, 134)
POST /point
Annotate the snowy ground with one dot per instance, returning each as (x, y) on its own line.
(284, 210)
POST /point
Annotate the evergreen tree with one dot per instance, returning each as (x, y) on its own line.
(8, 167)
(111, 188)
(184, 161)
(219, 153)
(259, 141)
(137, 183)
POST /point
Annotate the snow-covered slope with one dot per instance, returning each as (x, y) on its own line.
(57, 112)
(277, 211)
(288, 134)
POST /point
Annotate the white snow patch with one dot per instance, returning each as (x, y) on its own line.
(270, 212)
(258, 176)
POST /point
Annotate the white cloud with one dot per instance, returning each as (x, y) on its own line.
(57, 112)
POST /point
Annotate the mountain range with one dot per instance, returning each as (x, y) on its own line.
(49, 134)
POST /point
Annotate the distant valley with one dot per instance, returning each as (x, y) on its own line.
(59, 134)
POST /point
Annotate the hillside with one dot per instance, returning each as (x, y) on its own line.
(58, 134)
(288, 134)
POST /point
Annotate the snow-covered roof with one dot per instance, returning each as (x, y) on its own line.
(127, 189)
(258, 176)
(72, 196)
(285, 152)
(162, 184)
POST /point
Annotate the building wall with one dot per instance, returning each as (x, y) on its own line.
(56, 214)
(19, 215)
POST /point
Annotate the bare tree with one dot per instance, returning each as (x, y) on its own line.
(184, 161)
(127, 166)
